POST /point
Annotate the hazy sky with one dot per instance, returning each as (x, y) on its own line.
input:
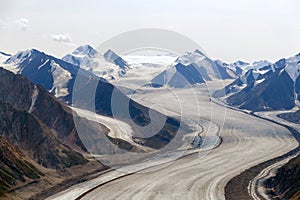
(227, 30)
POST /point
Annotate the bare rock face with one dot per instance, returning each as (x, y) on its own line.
(286, 183)
(36, 123)
(31, 135)
(292, 116)
(21, 94)
(14, 167)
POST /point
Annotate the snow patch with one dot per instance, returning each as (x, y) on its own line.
(34, 96)
(19, 57)
(42, 65)
(293, 70)
(61, 79)
(260, 81)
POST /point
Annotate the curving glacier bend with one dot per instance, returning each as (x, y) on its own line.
(246, 141)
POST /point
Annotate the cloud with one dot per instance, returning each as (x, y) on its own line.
(62, 38)
(23, 24)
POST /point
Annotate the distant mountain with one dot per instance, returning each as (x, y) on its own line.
(53, 74)
(179, 77)
(271, 87)
(246, 81)
(215, 69)
(255, 65)
(109, 65)
(114, 58)
(193, 68)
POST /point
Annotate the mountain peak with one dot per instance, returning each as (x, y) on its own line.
(240, 63)
(112, 57)
(197, 51)
(85, 50)
(20, 56)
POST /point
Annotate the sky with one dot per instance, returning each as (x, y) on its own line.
(231, 30)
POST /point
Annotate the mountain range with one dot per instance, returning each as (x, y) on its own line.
(58, 77)
(108, 66)
(268, 87)
(38, 129)
(195, 68)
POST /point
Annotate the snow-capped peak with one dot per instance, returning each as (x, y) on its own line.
(190, 58)
(110, 55)
(20, 56)
(85, 50)
(256, 65)
(295, 58)
(293, 69)
(292, 66)
(197, 51)
(240, 64)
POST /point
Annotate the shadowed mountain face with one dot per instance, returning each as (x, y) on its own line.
(179, 77)
(114, 58)
(194, 68)
(292, 116)
(21, 94)
(267, 87)
(36, 122)
(265, 96)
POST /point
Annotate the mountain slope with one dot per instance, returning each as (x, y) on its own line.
(53, 74)
(244, 82)
(179, 77)
(193, 68)
(31, 135)
(33, 123)
(14, 167)
(271, 87)
(109, 65)
(286, 183)
(114, 58)
(23, 95)
(264, 96)
(40, 134)
(90, 92)
(291, 116)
